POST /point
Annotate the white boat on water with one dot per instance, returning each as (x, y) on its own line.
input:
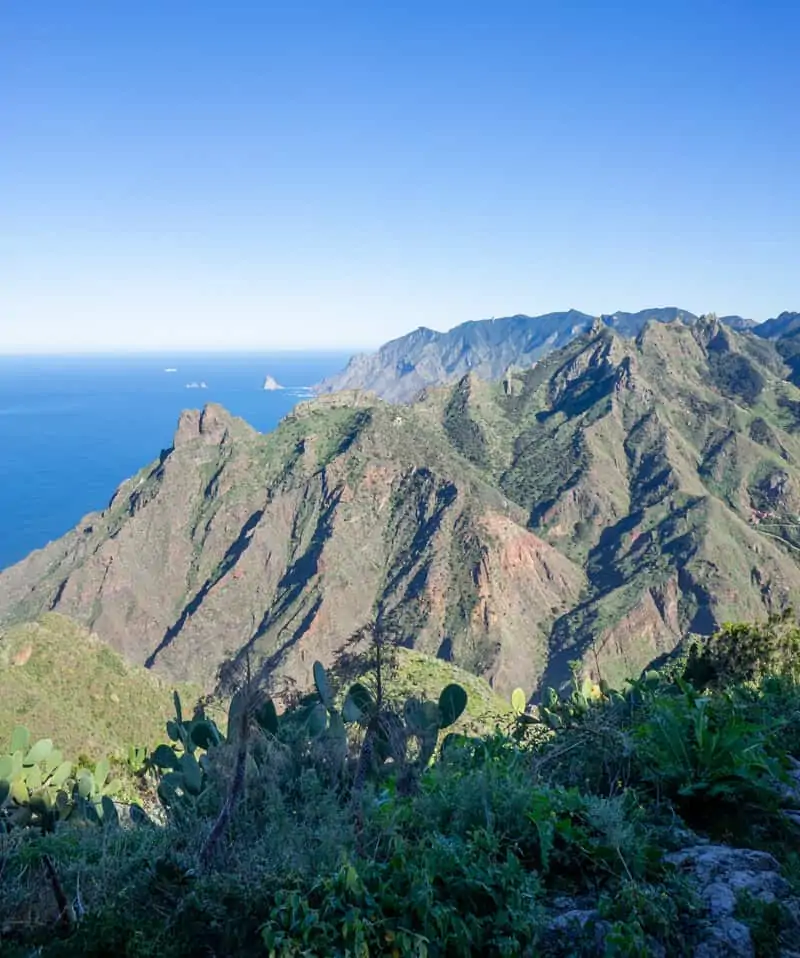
(196, 386)
(170, 370)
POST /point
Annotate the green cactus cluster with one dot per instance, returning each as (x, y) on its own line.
(559, 711)
(183, 764)
(38, 787)
(93, 791)
(405, 737)
(182, 776)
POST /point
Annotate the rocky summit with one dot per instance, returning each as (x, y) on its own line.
(597, 506)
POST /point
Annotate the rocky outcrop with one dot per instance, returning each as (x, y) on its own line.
(721, 875)
(212, 425)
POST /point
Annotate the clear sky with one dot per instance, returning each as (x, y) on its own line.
(216, 173)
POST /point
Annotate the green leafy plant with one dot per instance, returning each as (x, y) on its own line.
(746, 652)
(455, 843)
(38, 787)
(703, 755)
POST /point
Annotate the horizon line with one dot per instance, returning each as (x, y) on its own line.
(28, 351)
(25, 353)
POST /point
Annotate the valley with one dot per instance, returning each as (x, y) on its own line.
(598, 507)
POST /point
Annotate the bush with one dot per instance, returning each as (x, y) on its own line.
(735, 376)
(746, 652)
(434, 897)
(326, 854)
(707, 759)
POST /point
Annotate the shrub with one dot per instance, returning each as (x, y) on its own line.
(735, 376)
(577, 802)
(709, 760)
(746, 652)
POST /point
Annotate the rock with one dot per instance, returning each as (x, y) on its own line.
(728, 938)
(575, 919)
(720, 898)
(742, 870)
(721, 874)
(211, 424)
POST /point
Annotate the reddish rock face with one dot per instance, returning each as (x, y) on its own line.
(219, 549)
(596, 511)
(210, 424)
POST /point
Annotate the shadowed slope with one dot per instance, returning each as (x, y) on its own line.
(596, 506)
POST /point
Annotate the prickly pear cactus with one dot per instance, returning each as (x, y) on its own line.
(31, 776)
(519, 701)
(38, 787)
(324, 689)
(452, 703)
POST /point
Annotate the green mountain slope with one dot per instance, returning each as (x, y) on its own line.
(666, 468)
(596, 506)
(280, 546)
(784, 331)
(64, 683)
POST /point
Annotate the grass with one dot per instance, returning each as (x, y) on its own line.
(424, 675)
(64, 683)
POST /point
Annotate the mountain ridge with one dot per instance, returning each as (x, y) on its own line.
(402, 367)
(597, 507)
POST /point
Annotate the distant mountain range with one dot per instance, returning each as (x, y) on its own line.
(784, 331)
(597, 507)
(400, 369)
(787, 324)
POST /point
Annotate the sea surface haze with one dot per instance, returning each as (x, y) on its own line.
(73, 427)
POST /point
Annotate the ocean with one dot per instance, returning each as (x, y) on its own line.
(73, 427)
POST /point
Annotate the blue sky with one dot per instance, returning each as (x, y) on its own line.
(227, 174)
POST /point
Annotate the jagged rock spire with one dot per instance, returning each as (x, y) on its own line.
(597, 327)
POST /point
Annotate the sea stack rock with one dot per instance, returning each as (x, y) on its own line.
(271, 384)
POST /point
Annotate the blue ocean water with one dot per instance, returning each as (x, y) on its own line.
(72, 428)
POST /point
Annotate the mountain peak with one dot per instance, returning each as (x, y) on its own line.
(597, 327)
(785, 324)
(212, 425)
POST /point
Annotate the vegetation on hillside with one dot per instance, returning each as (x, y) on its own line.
(59, 680)
(425, 358)
(596, 506)
(357, 824)
(463, 432)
